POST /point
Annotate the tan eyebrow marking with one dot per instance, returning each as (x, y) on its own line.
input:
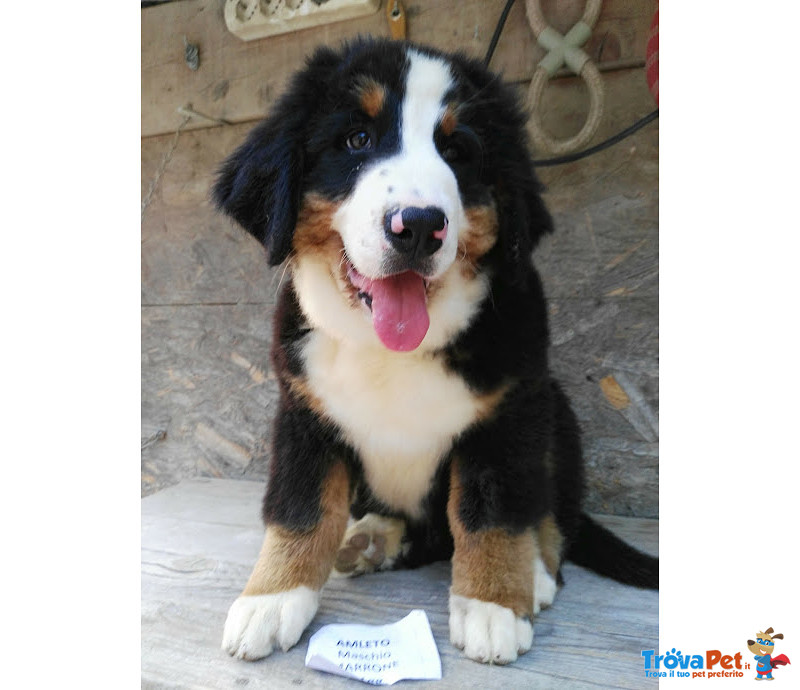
(372, 96)
(449, 120)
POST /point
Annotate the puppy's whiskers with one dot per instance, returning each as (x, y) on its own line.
(282, 274)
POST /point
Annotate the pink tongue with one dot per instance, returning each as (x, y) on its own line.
(399, 314)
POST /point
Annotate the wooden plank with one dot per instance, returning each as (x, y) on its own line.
(593, 340)
(191, 254)
(208, 397)
(600, 271)
(200, 538)
(237, 80)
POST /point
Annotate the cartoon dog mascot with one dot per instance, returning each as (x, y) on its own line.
(763, 647)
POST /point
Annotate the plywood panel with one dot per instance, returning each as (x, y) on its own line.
(190, 254)
(600, 271)
(237, 80)
(208, 397)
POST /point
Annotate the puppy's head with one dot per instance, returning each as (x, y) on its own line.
(398, 181)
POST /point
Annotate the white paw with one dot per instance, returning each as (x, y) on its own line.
(488, 632)
(544, 586)
(256, 624)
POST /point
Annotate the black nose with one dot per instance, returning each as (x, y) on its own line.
(416, 232)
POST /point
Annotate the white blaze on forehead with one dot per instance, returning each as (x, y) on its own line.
(427, 82)
(416, 175)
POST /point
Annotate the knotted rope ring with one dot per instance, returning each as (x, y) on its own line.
(564, 50)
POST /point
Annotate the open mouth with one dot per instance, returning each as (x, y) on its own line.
(398, 305)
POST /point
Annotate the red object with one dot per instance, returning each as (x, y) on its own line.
(651, 62)
(780, 660)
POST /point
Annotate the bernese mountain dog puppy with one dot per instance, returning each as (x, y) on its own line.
(418, 420)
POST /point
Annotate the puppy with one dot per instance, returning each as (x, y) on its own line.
(418, 420)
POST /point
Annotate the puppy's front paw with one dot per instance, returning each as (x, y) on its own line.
(257, 623)
(488, 632)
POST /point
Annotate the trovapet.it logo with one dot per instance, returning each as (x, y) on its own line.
(711, 664)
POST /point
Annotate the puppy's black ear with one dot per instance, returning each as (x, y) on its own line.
(524, 219)
(260, 184)
(522, 215)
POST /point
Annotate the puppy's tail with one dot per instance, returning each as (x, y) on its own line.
(598, 549)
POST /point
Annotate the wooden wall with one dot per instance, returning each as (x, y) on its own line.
(238, 79)
(207, 294)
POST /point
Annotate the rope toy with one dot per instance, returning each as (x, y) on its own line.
(564, 50)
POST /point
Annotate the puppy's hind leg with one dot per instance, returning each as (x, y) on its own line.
(372, 543)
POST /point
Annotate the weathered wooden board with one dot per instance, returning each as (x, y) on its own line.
(207, 302)
(600, 270)
(237, 80)
(208, 397)
(200, 539)
(189, 253)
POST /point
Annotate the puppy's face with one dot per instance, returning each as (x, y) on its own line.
(384, 217)
(399, 206)
(391, 173)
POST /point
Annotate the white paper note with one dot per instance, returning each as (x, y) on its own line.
(377, 654)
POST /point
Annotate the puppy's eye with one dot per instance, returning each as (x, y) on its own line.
(359, 140)
(450, 153)
(461, 148)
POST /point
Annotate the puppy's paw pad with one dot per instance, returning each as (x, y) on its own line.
(544, 586)
(488, 632)
(372, 543)
(257, 624)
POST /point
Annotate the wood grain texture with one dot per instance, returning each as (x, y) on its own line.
(237, 80)
(191, 254)
(600, 271)
(200, 539)
(206, 386)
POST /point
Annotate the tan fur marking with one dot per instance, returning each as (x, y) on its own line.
(302, 391)
(488, 402)
(480, 237)
(491, 564)
(372, 96)
(449, 120)
(314, 232)
(290, 559)
(314, 236)
(550, 544)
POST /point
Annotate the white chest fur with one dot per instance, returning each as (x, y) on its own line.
(400, 411)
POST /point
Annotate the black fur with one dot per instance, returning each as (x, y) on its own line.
(592, 547)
